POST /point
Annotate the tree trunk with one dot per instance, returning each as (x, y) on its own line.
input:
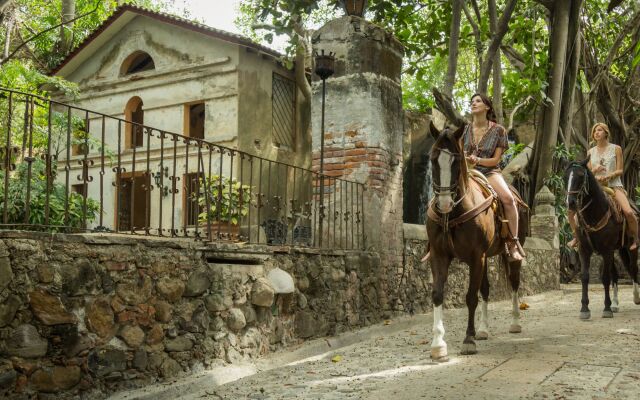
(573, 57)
(476, 33)
(9, 25)
(66, 30)
(497, 65)
(496, 39)
(454, 41)
(547, 138)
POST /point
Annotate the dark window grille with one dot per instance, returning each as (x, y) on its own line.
(283, 100)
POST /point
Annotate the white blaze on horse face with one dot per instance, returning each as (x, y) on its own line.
(445, 200)
(569, 186)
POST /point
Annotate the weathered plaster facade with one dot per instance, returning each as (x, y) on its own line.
(364, 123)
(193, 64)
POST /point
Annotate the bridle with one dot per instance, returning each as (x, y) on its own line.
(582, 191)
(452, 189)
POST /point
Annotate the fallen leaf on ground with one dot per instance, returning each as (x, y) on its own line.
(524, 306)
(336, 359)
(387, 322)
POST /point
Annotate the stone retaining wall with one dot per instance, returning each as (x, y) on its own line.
(539, 273)
(91, 314)
(87, 315)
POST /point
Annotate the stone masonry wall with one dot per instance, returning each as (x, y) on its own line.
(87, 315)
(539, 273)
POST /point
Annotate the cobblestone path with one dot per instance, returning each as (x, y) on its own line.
(556, 356)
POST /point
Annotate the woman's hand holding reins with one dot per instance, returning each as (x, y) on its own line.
(472, 159)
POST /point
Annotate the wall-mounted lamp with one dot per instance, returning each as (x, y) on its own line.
(157, 177)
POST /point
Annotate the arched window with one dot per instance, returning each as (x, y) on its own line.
(137, 61)
(133, 132)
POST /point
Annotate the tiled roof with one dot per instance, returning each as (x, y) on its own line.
(170, 19)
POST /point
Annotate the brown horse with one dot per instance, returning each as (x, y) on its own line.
(462, 224)
(599, 232)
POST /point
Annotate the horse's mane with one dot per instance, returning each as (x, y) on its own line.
(592, 183)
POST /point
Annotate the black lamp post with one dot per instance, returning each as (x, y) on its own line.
(325, 67)
(355, 7)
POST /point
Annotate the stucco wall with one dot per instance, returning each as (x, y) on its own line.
(235, 84)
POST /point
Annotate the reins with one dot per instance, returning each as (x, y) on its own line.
(443, 219)
(585, 190)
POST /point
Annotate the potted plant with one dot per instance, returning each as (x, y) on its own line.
(224, 203)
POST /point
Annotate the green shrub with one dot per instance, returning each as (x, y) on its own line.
(17, 196)
(228, 200)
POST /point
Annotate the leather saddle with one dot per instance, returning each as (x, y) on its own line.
(483, 183)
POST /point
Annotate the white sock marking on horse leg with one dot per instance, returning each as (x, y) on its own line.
(515, 312)
(438, 328)
(636, 293)
(614, 299)
(483, 324)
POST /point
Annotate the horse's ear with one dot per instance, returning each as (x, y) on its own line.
(586, 160)
(458, 133)
(433, 130)
(564, 163)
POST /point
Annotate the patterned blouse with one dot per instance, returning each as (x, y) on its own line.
(496, 136)
(607, 160)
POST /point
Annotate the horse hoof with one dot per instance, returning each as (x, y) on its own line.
(636, 300)
(514, 328)
(482, 335)
(607, 314)
(614, 309)
(439, 354)
(585, 314)
(468, 349)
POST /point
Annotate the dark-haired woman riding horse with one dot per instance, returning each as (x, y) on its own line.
(462, 224)
(599, 231)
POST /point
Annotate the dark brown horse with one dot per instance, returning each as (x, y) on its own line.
(598, 232)
(462, 224)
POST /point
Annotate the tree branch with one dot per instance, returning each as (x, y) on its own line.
(476, 9)
(31, 54)
(548, 4)
(475, 28)
(516, 60)
(32, 38)
(503, 25)
(515, 110)
(444, 104)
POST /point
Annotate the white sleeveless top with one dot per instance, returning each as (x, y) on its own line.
(608, 159)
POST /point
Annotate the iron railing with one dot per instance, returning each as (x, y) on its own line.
(64, 168)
